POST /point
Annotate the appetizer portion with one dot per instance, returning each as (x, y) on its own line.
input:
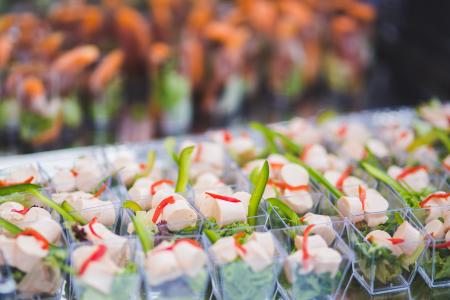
(105, 270)
(416, 179)
(28, 173)
(176, 267)
(315, 268)
(246, 265)
(241, 146)
(387, 256)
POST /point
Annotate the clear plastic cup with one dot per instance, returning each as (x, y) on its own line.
(237, 281)
(380, 271)
(309, 284)
(126, 284)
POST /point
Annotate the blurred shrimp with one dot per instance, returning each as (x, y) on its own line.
(33, 88)
(50, 45)
(106, 70)
(75, 60)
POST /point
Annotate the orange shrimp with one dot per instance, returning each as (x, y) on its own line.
(75, 60)
(50, 45)
(106, 70)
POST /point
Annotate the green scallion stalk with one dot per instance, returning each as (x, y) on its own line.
(285, 210)
(70, 210)
(184, 162)
(142, 234)
(268, 136)
(129, 204)
(10, 227)
(212, 235)
(257, 193)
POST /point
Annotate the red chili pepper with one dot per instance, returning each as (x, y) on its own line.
(142, 166)
(276, 166)
(302, 219)
(343, 176)
(198, 154)
(362, 196)
(342, 130)
(4, 183)
(396, 241)
(21, 211)
(222, 197)
(91, 228)
(278, 184)
(306, 151)
(31, 232)
(100, 191)
(403, 134)
(179, 241)
(158, 183)
(305, 241)
(74, 172)
(443, 245)
(238, 245)
(408, 171)
(296, 187)
(433, 196)
(96, 255)
(227, 136)
(160, 207)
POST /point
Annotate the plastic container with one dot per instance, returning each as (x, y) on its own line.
(237, 281)
(310, 284)
(379, 271)
(182, 287)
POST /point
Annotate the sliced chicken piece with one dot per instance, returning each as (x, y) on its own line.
(243, 196)
(127, 168)
(191, 259)
(351, 207)
(265, 239)
(179, 215)
(411, 236)
(7, 212)
(100, 273)
(48, 228)
(8, 247)
(229, 212)
(163, 194)
(377, 148)
(35, 214)
(326, 260)
(104, 211)
(294, 175)
(294, 263)
(88, 178)
(207, 180)
(162, 266)
(224, 250)
(375, 206)
(322, 226)
(353, 149)
(316, 156)
(351, 185)
(435, 228)
(29, 253)
(255, 256)
(314, 242)
(64, 181)
(300, 201)
(141, 195)
(381, 238)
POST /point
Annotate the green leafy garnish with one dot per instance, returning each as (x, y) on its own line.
(134, 206)
(184, 162)
(212, 235)
(70, 210)
(257, 193)
(316, 176)
(284, 211)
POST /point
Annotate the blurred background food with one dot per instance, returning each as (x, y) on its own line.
(94, 72)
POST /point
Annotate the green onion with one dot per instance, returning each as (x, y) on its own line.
(151, 158)
(170, 144)
(184, 162)
(285, 210)
(70, 210)
(132, 205)
(48, 202)
(212, 235)
(316, 176)
(142, 233)
(268, 136)
(257, 193)
(288, 144)
(10, 227)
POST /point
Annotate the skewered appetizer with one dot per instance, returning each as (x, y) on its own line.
(177, 267)
(247, 265)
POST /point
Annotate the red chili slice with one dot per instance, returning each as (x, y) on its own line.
(160, 207)
(443, 245)
(4, 183)
(222, 197)
(302, 219)
(277, 184)
(227, 136)
(408, 171)
(343, 176)
(74, 172)
(403, 134)
(198, 154)
(158, 183)
(179, 241)
(96, 255)
(21, 211)
(276, 166)
(305, 241)
(31, 232)
(433, 196)
(396, 241)
(296, 187)
(342, 130)
(142, 166)
(100, 191)
(362, 196)
(305, 151)
(91, 228)
(238, 245)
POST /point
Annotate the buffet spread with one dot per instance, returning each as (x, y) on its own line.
(292, 210)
